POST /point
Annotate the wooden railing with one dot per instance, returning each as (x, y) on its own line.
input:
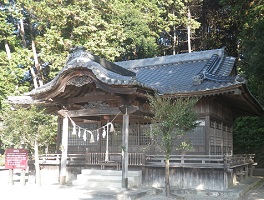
(140, 159)
(134, 159)
(184, 159)
(239, 159)
(226, 161)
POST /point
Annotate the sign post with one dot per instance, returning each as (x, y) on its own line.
(16, 159)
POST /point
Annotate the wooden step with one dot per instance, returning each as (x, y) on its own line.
(107, 178)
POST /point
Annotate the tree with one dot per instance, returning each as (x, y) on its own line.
(140, 33)
(248, 134)
(30, 127)
(251, 46)
(174, 117)
(176, 26)
(219, 28)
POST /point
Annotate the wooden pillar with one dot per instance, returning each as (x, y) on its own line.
(222, 138)
(125, 109)
(64, 150)
(231, 132)
(125, 151)
(207, 136)
(59, 133)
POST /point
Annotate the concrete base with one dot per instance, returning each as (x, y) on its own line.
(234, 192)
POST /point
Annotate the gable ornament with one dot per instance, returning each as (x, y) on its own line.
(79, 80)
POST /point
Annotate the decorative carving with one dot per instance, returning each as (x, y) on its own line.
(77, 52)
(96, 104)
(79, 80)
(198, 79)
(240, 79)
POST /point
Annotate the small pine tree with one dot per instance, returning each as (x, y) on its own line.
(174, 117)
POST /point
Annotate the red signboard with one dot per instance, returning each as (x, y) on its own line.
(16, 158)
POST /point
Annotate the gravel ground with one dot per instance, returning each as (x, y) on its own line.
(70, 193)
(52, 192)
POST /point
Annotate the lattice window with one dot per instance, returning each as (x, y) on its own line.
(215, 124)
(78, 139)
(145, 134)
(215, 150)
(138, 135)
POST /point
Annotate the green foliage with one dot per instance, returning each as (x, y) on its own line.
(140, 26)
(252, 49)
(25, 126)
(248, 137)
(11, 77)
(248, 22)
(2, 160)
(174, 117)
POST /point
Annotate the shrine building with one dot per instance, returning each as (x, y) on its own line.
(96, 98)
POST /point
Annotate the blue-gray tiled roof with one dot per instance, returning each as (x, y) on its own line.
(181, 73)
(185, 73)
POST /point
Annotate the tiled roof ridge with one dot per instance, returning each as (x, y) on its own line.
(213, 64)
(178, 58)
(210, 70)
(168, 64)
(80, 53)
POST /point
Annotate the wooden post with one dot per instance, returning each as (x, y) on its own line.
(125, 109)
(11, 178)
(107, 146)
(125, 151)
(225, 172)
(222, 139)
(22, 177)
(64, 150)
(207, 136)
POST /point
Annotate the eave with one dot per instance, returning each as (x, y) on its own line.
(238, 96)
(66, 88)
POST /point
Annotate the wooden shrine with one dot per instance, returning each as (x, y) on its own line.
(96, 99)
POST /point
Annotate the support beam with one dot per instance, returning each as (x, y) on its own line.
(64, 150)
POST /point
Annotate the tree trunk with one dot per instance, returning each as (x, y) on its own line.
(34, 77)
(38, 179)
(8, 53)
(174, 41)
(174, 38)
(37, 65)
(189, 30)
(167, 176)
(22, 32)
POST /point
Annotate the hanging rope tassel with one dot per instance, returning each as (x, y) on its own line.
(74, 130)
(112, 128)
(79, 132)
(104, 133)
(91, 137)
(84, 136)
(97, 137)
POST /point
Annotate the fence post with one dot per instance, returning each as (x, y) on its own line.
(86, 158)
(225, 172)
(11, 179)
